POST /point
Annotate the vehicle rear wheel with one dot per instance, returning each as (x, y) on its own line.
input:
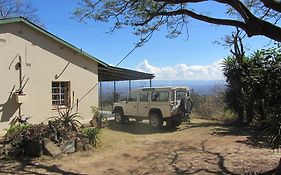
(155, 120)
(119, 116)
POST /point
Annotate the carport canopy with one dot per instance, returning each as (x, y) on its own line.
(110, 73)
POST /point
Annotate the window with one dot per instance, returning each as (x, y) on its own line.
(160, 96)
(133, 96)
(144, 97)
(181, 95)
(60, 93)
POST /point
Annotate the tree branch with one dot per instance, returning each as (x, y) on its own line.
(201, 18)
(179, 1)
(272, 4)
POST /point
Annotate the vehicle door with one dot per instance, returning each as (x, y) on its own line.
(132, 102)
(143, 105)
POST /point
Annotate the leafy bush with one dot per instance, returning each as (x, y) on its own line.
(92, 134)
(17, 128)
(259, 86)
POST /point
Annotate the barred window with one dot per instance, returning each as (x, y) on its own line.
(60, 93)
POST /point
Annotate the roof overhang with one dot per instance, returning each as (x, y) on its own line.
(110, 73)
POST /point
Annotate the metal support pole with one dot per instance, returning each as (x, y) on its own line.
(100, 95)
(114, 91)
(150, 82)
(130, 86)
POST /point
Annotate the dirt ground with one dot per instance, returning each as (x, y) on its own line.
(201, 147)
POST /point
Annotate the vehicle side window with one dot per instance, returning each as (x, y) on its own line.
(144, 97)
(133, 96)
(160, 96)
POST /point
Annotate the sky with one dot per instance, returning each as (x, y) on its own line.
(192, 56)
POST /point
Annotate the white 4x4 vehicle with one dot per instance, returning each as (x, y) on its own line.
(170, 104)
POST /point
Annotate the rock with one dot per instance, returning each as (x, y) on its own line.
(50, 149)
(88, 147)
(78, 145)
(7, 149)
(84, 141)
(33, 148)
(68, 146)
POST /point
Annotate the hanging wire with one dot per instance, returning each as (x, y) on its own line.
(122, 60)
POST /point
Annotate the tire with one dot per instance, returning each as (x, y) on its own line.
(119, 116)
(186, 105)
(185, 108)
(155, 120)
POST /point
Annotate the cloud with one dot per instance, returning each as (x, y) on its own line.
(184, 71)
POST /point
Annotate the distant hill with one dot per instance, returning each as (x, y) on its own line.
(200, 87)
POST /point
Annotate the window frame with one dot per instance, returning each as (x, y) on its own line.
(137, 94)
(167, 92)
(141, 94)
(60, 102)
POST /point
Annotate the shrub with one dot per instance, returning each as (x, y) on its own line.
(17, 128)
(92, 134)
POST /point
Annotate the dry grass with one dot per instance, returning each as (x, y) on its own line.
(201, 147)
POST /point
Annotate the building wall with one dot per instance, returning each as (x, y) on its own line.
(43, 60)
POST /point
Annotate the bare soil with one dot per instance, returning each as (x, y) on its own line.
(201, 147)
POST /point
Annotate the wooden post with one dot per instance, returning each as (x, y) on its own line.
(20, 80)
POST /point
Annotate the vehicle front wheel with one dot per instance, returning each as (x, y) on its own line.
(119, 117)
(155, 120)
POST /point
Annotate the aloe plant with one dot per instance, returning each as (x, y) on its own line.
(68, 119)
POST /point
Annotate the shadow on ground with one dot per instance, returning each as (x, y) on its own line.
(139, 128)
(28, 166)
(253, 137)
(178, 158)
(142, 128)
